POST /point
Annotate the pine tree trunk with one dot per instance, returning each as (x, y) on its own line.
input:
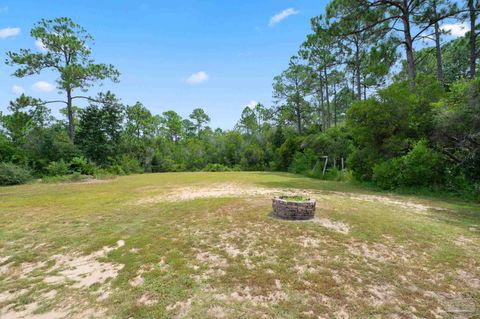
(408, 46)
(299, 117)
(71, 124)
(327, 97)
(357, 71)
(322, 104)
(335, 105)
(473, 39)
(438, 48)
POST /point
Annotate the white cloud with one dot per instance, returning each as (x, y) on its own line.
(42, 86)
(456, 29)
(197, 78)
(252, 104)
(9, 32)
(17, 90)
(281, 16)
(40, 46)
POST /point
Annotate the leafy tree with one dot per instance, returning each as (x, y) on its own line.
(26, 114)
(430, 12)
(291, 89)
(321, 52)
(358, 48)
(457, 127)
(199, 119)
(68, 54)
(380, 12)
(100, 128)
(472, 9)
(172, 125)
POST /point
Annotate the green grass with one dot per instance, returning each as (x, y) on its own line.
(202, 245)
(295, 198)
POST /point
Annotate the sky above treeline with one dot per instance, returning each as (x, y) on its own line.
(172, 55)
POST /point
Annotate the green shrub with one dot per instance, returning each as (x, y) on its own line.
(387, 174)
(115, 169)
(103, 173)
(422, 166)
(57, 168)
(216, 168)
(333, 174)
(361, 163)
(11, 174)
(287, 151)
(81, 165)
(129, 165)
(303, 162)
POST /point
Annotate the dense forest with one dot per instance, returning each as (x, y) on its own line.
(375, 94)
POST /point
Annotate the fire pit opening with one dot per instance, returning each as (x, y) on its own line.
(293, 207)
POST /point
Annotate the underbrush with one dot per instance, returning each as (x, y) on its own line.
(11, 174)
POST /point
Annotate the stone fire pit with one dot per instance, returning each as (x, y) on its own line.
(293, 207)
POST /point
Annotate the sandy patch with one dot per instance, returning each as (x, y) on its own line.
(28, 312)
(331, 224)
(217, 312)
(84, 270)
(388, 200)
(4, 264)
(212, 259)
(216, 190)
(380, 252)
(147, 300)
(180, 308)
(246, 295)
(7, 296)
(382, 294)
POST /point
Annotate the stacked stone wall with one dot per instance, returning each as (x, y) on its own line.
(285, 209)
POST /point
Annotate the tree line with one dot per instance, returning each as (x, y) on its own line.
(375, 84)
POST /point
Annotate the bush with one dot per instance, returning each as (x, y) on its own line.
(387, 174)
(422, 166)
(115, 169)
(129, 165)
(303, 162)
(57, 168)
(11, 174)
(361, 163)
(81, 165)
(216, 168)
(287, 151)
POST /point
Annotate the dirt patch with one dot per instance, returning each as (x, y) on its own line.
(247, 295)
(380, 252)
(180, 308)
(84, 271)
(216, 190)
(331, 224)
(382, 294)
(80, 270)
(28, 312)
(147, 300)
(388, 200)
(217, 312)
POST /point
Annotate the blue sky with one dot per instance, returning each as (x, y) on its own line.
(219, 55)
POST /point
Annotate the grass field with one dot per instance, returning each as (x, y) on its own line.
(203, 245)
